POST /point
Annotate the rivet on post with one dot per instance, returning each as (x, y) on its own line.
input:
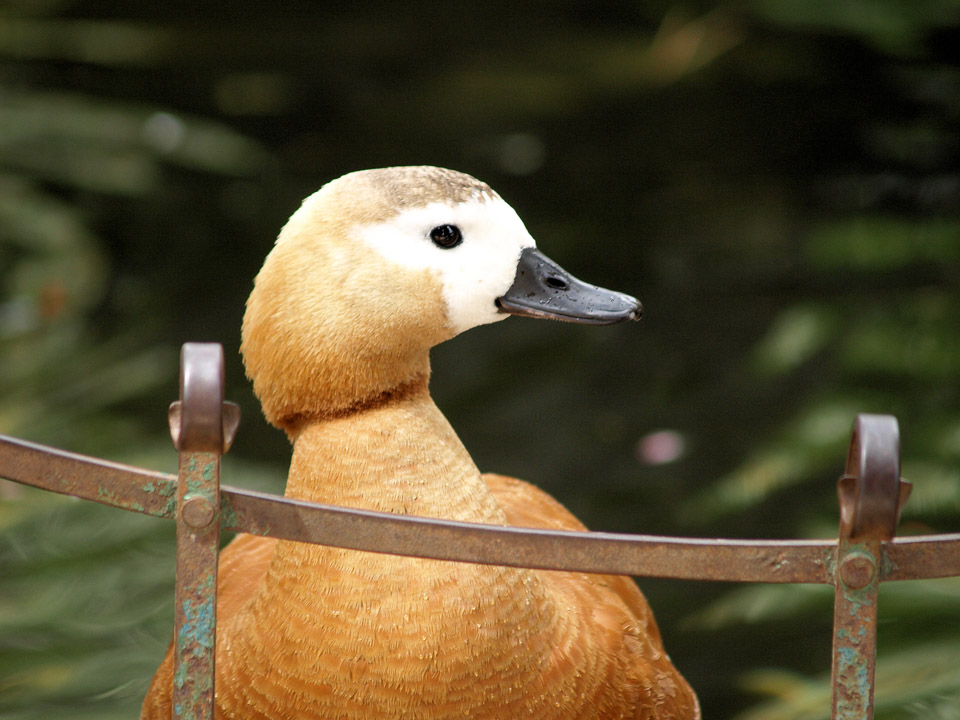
(197, 512)
(857, 571)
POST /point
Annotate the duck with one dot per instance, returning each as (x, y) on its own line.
(371, 272)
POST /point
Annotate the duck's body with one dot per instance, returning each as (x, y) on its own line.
(306, 631)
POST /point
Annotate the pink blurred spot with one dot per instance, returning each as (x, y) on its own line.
(661, 447)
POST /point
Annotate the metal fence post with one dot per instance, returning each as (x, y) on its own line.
(871, 495)
(202, 427)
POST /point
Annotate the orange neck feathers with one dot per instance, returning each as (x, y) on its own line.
(336, 340)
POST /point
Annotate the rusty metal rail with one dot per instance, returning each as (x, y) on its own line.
(870, 493)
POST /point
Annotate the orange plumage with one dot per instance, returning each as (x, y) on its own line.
(336, 340)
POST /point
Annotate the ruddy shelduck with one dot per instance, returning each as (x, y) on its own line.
(369, 273)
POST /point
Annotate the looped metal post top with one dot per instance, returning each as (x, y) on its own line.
(870, 493)
(201, 420)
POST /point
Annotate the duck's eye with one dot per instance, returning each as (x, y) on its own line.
(446, 236)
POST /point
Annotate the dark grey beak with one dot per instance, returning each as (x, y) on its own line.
(543, 289)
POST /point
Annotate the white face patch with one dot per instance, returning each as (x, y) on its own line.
(474, 273)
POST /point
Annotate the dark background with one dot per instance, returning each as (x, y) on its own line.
(777, 180)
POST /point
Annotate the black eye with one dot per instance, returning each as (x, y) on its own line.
(446, 236)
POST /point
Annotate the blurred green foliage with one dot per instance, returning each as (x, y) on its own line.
(778, 181)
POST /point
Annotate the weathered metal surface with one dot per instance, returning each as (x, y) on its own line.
(152, 493)
(198, 433)
(921, 556)
(870, 492)
(871, 495)
(247, 511)
(66, 473)
(196, 589)
(642, 555)
(855, 630)
(211, 424)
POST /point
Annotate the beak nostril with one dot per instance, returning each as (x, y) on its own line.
(542, 289)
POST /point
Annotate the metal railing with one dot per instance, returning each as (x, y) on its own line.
(866, 553)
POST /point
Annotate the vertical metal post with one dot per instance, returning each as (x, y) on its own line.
(871, 495)
(202, 427)
(855, 630)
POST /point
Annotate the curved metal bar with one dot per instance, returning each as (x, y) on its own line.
(201, 388)
(870, 490)
(66, 473)
(154, 493)
(247, 511)
(595, 552)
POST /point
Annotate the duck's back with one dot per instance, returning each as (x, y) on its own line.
(615, 617)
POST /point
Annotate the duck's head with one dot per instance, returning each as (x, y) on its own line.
(379, 266)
